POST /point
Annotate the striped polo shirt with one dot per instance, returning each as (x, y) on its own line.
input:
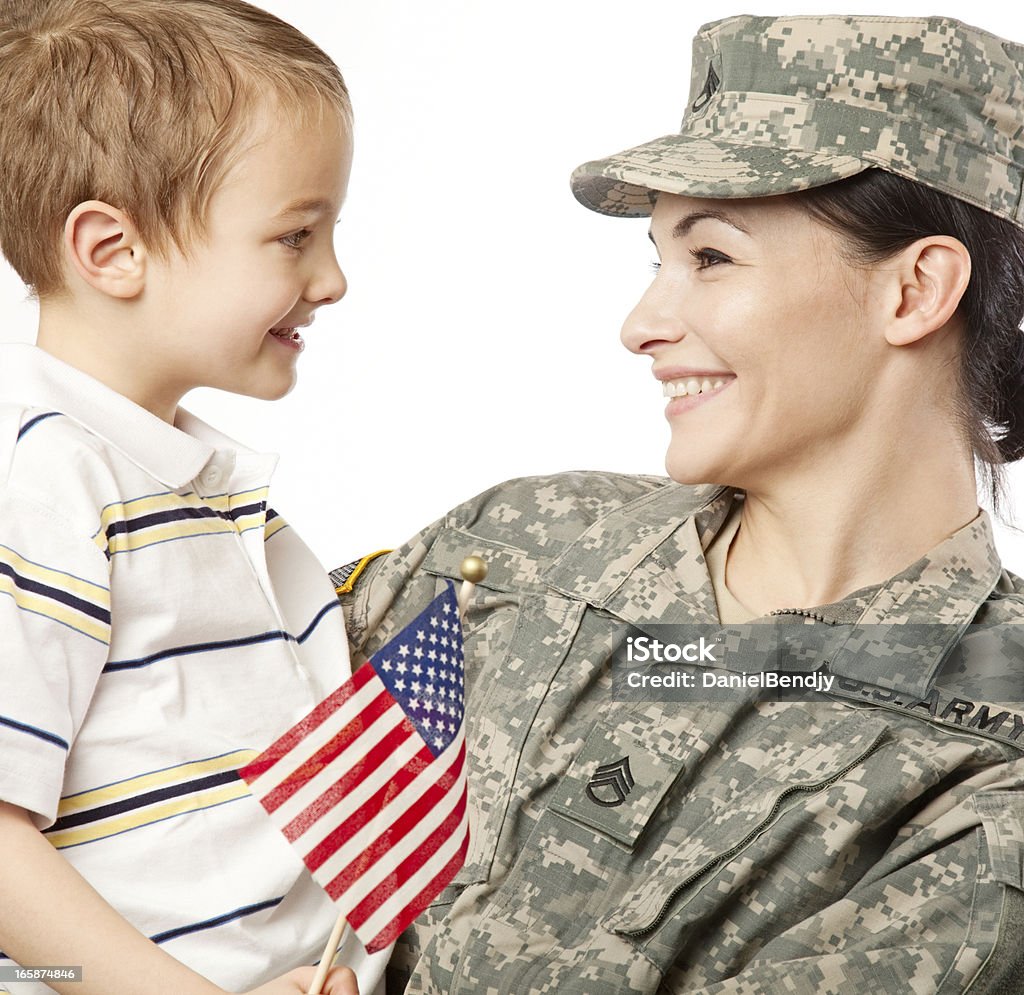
(161, 626)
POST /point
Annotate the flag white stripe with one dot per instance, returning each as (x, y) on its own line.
(376, 827)
(315, 740)
(400, 849)
(355, 799)
(339, 767)
(416, 882)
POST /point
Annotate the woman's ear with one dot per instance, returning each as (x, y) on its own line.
(933, 274)
(103, 247)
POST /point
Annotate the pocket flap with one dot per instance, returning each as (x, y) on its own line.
(615, 784)
(1001, 816)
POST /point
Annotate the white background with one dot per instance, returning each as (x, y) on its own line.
(479, 337)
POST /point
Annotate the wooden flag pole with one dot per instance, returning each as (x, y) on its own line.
(330, 952)
(473, 570)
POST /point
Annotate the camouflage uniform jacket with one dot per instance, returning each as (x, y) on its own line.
(867, 842)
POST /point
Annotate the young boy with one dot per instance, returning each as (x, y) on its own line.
(172, 173)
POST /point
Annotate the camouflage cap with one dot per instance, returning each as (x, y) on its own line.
(779, 104)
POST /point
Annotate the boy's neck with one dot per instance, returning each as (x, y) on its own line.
(110, 345)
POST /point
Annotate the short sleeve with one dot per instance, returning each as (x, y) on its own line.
(55, 621)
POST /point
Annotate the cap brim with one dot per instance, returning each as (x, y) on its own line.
(625, 185)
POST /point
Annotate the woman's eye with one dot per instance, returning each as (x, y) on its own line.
(655, 265)
(295, 239)
(706, 258)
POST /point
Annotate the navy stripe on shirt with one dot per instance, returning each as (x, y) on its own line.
(248, 910)
(48, 737)
(32, 422)
(222, 644)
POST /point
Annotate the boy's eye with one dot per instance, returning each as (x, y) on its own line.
(295, 239)
(706, 258)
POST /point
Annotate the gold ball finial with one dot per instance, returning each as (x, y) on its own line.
(473, 569)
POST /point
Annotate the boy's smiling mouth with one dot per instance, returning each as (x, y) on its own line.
(290, 336)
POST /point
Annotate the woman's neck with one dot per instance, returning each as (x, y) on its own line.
(811, 538)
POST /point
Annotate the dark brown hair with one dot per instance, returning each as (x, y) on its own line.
(879, 214)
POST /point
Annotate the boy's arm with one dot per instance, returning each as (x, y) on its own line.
(62, 921)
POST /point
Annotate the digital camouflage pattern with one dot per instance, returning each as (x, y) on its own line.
(868, 842)
(779, 104)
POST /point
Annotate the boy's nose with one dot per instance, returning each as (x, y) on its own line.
(329, 285)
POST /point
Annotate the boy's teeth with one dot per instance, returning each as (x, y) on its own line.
(689, 387)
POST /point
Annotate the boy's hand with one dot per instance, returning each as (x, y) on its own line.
(340, 981)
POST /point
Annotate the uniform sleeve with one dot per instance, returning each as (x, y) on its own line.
(942, 913)
(390, 590)
(55, 619)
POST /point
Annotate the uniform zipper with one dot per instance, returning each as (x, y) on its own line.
(747, 840)
(806, 612)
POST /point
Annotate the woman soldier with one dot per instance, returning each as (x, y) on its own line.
(836, 323)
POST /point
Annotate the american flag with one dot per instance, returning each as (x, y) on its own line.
(370, 787)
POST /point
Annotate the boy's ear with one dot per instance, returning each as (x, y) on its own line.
(103, 246)
(933, 274)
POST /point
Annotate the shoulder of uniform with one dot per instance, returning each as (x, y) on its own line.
(345, 578)
(521, 525)
(541, 514)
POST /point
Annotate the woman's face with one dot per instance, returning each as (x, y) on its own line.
(763, 336)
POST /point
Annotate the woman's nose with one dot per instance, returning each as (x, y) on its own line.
(652, 322)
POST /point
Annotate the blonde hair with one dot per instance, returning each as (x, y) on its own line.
(143, 104)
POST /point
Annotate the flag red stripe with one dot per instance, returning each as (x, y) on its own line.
(339, 836)
(298, 732)
(356, 771)
(342, 832)
(394, 833)
(351, 731)
(397, 925)
(408, 868)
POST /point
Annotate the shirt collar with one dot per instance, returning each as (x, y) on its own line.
(172, 454)
(644, 563)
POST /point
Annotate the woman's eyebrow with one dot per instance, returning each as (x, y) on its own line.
(684, 224)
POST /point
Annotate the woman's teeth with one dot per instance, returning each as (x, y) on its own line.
(687, 388)
(286, 333)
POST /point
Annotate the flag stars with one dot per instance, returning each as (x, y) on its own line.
(402, 668)
(403, 651)
(418, 653)
(420, 635)
(385, 665)
(417, 669)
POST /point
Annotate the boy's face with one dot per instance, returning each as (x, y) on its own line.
(228, 314)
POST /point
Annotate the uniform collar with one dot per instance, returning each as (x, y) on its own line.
(644, 563)
(173, 454)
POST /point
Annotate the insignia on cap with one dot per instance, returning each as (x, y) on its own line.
(711, 86)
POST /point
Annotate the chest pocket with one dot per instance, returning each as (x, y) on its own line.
(615, 785)
(1002, 816)
(688, 833)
